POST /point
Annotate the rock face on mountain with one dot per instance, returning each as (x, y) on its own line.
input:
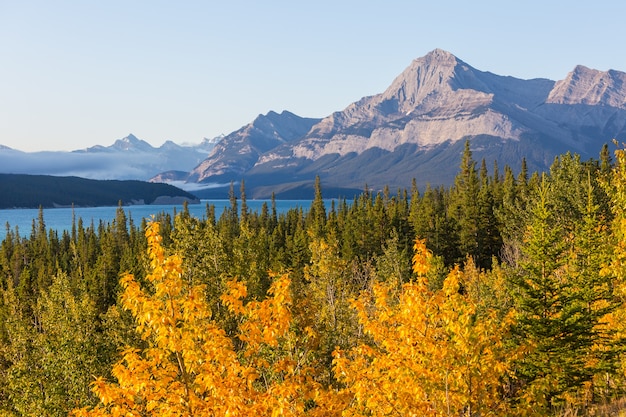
(417, 128)
(238, 152)
(590, 87)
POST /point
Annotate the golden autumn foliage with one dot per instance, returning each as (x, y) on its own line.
(425, 353)
(190, 366)
(615, 185)
(520, 308)
(421, 258)
(430, 353)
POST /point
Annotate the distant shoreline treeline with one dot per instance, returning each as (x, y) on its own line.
(33, 191)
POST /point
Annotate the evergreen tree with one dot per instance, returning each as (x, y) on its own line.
(541, 300)
(605, 159)
(561, 299)
(488, 237)
(430, 220)
(244, 202)
(394, 265)
(464, 208)
(316, 220)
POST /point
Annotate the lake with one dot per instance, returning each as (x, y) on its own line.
(61, 218)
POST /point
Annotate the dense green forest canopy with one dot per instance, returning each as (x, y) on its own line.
(519, 278)
(32, 191)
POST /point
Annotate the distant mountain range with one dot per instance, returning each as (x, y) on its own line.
(416, 128)
(127, 158)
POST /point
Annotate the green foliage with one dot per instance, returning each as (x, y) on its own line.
(550, 248)
(562, 293)
(51, 355)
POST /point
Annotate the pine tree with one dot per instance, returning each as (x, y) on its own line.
(605, 159)
(244, 202)
(488, 238)
(317, 212)
(561, 300)
(464, 208)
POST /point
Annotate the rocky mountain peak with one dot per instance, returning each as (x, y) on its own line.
(430, 72)
(433, 80)
(284, 127)
(438, 57)
(131, 142)
(591, 87)
(245, 145)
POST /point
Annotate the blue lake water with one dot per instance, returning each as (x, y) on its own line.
(61, 218)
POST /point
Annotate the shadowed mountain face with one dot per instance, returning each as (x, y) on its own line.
(417, 127)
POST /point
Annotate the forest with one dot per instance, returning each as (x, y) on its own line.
(32, 191)
(500, 295)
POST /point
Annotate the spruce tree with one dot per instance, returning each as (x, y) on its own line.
(561, 298)
(316, 220)
(464, 208)
(540, 300)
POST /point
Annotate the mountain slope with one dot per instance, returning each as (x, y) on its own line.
(416, 128)
(238, 152)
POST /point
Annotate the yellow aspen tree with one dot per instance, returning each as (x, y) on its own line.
(190, 367)
(279, 354)
(615, 321)
(430, 352)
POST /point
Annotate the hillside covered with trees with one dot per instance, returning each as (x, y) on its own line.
(501, 295)
(33, 191)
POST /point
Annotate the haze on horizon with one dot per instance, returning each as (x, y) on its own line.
(78, 74)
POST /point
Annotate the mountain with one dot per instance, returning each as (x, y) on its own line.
(32, 191)
(127, 158)
(128, 144)
(417, 128)
(239, 151)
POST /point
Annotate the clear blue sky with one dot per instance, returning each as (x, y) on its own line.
(78, 73)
